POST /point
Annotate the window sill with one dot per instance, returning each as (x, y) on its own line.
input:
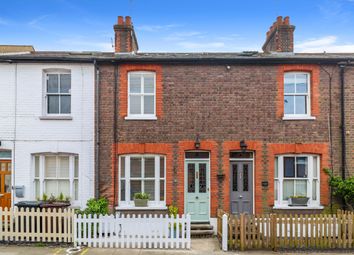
(287, 207)
(301, 117)
(55, 118)
(122, 208)
(140, 118)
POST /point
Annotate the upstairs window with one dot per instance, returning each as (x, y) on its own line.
(58, 93)
(141, 95)
(297, 94)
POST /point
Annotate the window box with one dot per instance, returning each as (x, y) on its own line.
(141, 202)
(298, 201)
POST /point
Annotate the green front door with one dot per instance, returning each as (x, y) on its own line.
(197, 190)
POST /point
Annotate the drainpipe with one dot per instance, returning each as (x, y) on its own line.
(342, 69)
(97, 129)
(115, 135)
(13, 162)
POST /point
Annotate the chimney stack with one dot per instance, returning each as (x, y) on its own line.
(280, 37)
(125, 40)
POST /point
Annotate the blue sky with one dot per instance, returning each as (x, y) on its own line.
(178, 25)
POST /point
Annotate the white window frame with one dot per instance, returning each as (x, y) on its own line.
(141, 116)
(155, 204)
(45, 93)
(308, 98)
(278, 180)
(42, 178)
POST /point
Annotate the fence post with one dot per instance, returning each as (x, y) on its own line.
(188, 231)
(224, 232)
(74, 230)
(273, 231)
(242, 232)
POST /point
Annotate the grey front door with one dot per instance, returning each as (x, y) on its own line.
(241, 197)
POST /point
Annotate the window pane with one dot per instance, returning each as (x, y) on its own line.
(202, 178)
(300, 104)
(50, 166)
(63, 167)
(245, 177)
(276, 167)
(289, 104)
(289, 167)
(162, 190)
(51, 188)
(149, 167)
(122, 167)
(276, 188)
(234, 177)
(52, 83)
(76, 190)
(191, 178)
(122, 190)
(149, 83)
(301, 83)
(36, 166)
(65, 104)
(135, 167)
(135, 104)
(65, 83)
(53, 104)
(36, 189)
(314, 190)
(301, 167)
(289, 83)
(149, 105)
(288, 189)
(301, 188)
(76, 170)
(135, 83)
(162, 167)
(149, 188)
(315, 168)
(7, 187)
(135, 187)
(64, 187)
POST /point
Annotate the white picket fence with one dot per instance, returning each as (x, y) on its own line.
(119, 231)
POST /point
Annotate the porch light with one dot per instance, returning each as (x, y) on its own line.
(243, 145)
(197, 142)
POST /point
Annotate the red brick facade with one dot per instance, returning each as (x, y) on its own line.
(224, 106)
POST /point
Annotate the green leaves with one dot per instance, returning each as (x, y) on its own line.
(141, 196)
(95, 206)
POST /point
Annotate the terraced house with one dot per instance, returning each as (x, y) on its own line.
(238, 131)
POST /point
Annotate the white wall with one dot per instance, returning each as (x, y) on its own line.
(27, 133)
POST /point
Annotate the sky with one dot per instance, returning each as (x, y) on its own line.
(176, 25)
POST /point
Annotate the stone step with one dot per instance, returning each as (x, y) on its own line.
(201, 227)
(202, 233)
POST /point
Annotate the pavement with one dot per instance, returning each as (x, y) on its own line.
(199, 247)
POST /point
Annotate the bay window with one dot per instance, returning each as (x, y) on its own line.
(55, 174)
(296, 175)
(142, 173)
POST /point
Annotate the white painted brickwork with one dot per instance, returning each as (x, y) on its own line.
(33, 135)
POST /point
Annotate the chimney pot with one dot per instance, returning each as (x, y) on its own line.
(120, 20)
(279, 20)
(287, 20)
(128, 20)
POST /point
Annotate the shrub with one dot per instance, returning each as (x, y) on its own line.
(141, 195)
(95, 206)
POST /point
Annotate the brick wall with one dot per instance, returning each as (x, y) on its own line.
(224, 107)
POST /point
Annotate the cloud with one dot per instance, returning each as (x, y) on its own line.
(36, 22)
(178, 36)
(324, 44)
(157, 28)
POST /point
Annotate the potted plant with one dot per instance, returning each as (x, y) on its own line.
(298, 200)
(55, 202)
(141, 199)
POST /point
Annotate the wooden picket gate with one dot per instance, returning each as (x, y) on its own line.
(36, 225)
(281, 231)
(114, 231)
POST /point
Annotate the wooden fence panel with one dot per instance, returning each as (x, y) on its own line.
(274, 231)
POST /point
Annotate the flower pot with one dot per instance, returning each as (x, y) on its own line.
(298, 201)
(140, 202)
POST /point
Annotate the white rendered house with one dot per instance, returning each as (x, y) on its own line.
(46, 128)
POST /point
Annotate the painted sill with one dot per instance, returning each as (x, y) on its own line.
(122, 208)
(140, 118)
(286, 207)
(300, 117)
(56, 118)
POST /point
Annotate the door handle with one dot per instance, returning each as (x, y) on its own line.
(241, 196)
(196, 197)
